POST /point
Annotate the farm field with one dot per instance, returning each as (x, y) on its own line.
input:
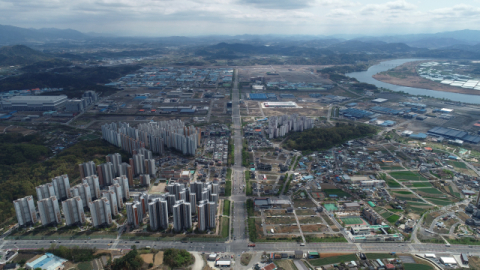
(421, 185)
(407, 176)
(440, 202)
(431, 190)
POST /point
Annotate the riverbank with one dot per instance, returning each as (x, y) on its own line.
(406, 75)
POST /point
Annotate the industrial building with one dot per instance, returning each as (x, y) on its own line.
(73, 211)
(25, 211)
(454, 134)
(101, 212)
(34, 103)
(49, 211)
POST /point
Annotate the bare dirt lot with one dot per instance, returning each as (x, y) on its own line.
(406, 75)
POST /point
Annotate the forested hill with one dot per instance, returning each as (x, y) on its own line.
(21, 55)
(323, 138)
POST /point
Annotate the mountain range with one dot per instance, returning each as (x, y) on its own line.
(11, 35)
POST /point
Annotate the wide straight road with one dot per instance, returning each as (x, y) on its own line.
(239, 237)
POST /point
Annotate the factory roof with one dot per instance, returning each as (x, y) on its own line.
(379, 100)
(47, 262)
(448, 260)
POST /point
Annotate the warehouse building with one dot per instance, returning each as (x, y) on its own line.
(34, 103)
(288, 104)
(454, 134)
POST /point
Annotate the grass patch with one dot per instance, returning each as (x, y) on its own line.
(374, 256)
(332, 260)
(393, 218)
(225, 226)
(229, 174)
(245, 259)
(85, 266)
(226, 208)
(403, 192)
(408, 176)
(464, 241)
(457, 164)
(328, 239)
(228, 188)
(252, 230)
(415, 266)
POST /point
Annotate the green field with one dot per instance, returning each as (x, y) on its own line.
(408, 176)
(416, 266)
(403, 192)
(439, 201)
(225, 226)
(392, 183)
(428, 190)
(457, 164)
(340, 193)
(352, 220)
(332, 260)
(393, 218)
(418, 185)
(226, 208)
(374, 256)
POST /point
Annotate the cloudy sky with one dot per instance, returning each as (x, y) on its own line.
(233, 17)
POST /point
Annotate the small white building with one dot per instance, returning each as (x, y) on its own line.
(448, 260)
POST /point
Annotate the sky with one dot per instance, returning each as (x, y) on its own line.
(237, 17)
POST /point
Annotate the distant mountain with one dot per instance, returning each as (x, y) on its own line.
(21, 55)
(10, 35)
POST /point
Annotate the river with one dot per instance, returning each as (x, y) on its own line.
(366, 77)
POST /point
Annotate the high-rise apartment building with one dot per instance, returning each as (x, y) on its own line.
(150, 167)
(138, 164)
(73, 211)
(158, 212)
(61, 185)
(101, 212)
(49, 211)
(134, 214)
(118, 193)
(116, 160)
(105, 173)
(25, 211)
(82, 191)
(94, 185)
(182, 216)
(145, 180)
(127, 170)
(112, 198)
(87, 169)
(124, 182)
(206, 215)
(45, 191)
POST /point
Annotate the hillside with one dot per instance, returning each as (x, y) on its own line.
(21, 55)
(17, 35)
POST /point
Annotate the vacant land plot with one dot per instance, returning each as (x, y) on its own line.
(286, 264)
(246, 258)
(309, 220)
(314, 228)
(414, 266)
(280, 220)
(283, 228)
(332, 260)
(330, 207)
(158, 258)
(391, 167)
(147, 258)
(457, 164)
(303, 203)
(408, 176)
(393, 218)
(305, 212)
(277, 213)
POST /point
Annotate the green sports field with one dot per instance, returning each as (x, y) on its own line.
(352, 220)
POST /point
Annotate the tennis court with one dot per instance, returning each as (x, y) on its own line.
(353, 221)
(330, 207)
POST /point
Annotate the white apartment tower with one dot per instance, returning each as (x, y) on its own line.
(87, 169)
(112, 198)
(101, 212)
(73, 211)
(49, 211)
(61, 185)
(82, 191)
(25, 211)
(124, 184)
(94, 185)
(45, 191)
